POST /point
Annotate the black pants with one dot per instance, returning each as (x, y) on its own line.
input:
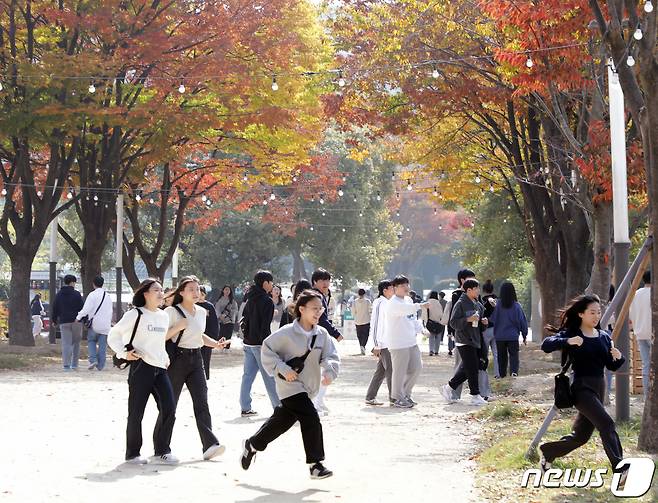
(506, 348)
(451, 342)
(226, 331)
(292, 409)
(145, 380)
(206, 353)
(362, 333)
(467, 370)
(588, 393)
(187, 369)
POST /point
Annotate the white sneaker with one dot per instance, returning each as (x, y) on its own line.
(139, 460)
(213, 451)
(165, 459)
(477, 400)
(92, 366)
(446, 391)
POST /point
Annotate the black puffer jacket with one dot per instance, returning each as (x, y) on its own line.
(257, 316)
(68, 303)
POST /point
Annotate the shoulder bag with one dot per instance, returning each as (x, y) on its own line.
(86, 320)
(122, 363)
(172, 346)
(297, 363)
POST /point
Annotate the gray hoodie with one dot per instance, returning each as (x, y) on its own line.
(291, 341)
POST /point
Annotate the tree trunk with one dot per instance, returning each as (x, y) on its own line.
(599, 283)
(20, 320)
(550, 280)
(298, 266)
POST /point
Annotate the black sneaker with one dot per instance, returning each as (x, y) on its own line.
(318, 471)
(248, 413)
(248, 455)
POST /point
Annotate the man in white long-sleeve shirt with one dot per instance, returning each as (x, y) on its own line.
(98, 308)
(384, 368)
(640, 316)
(400, 330)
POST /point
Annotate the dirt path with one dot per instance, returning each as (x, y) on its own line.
(63, 438)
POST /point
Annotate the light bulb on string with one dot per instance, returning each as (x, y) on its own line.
(397, 213)
(435, 72)
(408, 229)
(181, 88)
(648, 6)
(209, 202)
(275, 86)
(379, 196)
(69, 195)
(311, 228)
(245, 178)
(393, 176)
(203, 198)
(294, 179)
(95, 197)
(343, 229)
(92, 88)
(435, 211)
(138, 197)
(151, 201)
(322, 199)
(323, 214)
(436, 192)
(397, 195)
(477, 179)
(272, 196)
(440, 227)
(355, 199)
(248, 223)
(340, 193)
(529, 62)
(264, 202)
(630, 60)
(39, 194)
(4, 192)
(637, 35)
(341, 80)
(409, 187)
(360, 213)
(491, 188)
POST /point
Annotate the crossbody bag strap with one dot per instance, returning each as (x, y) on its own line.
(308, 351)
(180, 311)
(139, 315)
(99, 305)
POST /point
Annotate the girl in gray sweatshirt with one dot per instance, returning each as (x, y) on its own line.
(300, 357)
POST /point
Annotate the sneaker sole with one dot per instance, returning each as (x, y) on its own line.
(318, 477)
(221, 450)
(244, 449)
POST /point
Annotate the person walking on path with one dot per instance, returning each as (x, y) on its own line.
(289, 312)
(489, 301)
(139, 337)
(298, 382)
(212, 328)
(400, 330)
(380, 350)
(361, 309)
(640, 316)
(67, 305)
(37, 311)
(466, 319)
(589, 350)
(98, 309)
(187, 324)
(279, 307)
(227, 312)
(321, 279)
(509, 321)
(256, 322)
(432, 318)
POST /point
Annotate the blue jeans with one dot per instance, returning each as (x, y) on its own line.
(251, 367)
(645, 353)
(96, 344)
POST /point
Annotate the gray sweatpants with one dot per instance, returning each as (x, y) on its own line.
(407, 365)
(384, 370)
(71, 337)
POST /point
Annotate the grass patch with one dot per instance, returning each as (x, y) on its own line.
(508, 430)
(13, 362)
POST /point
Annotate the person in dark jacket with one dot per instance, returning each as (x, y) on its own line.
(467, 319)
(489, 301)
(255, 322)
(212, 328)
(590, 350)
(37, 311)
(68, 303)
(320, 279)
(509, 321)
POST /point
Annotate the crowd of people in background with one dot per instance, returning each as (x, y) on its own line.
(168, 336)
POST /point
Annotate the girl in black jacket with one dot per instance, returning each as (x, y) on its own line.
(590, 350)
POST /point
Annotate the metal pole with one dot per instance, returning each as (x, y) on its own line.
(620, 215)
(52, 339)
(118, 311)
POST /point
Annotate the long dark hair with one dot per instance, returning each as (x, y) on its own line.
(507, 295)
(176, 296)
(434, 295)
(304, 298)
(138, 297)
(37, 297)
(300, 286)
(569, 319)
(230, 295)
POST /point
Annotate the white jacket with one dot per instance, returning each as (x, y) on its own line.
(640, 314)
(102, 320)
(377, 322)
(401, 323)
